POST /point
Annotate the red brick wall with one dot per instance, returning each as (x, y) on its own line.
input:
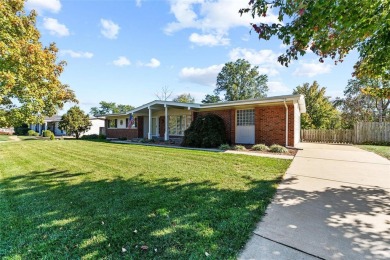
(229, 118)
(120, 133)
(270, 125)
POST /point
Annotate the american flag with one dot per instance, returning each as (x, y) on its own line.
(131, 121)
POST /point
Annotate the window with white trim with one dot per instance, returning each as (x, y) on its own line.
(245, 117)
(178, 124)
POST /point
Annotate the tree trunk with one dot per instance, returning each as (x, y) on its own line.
(77, 135)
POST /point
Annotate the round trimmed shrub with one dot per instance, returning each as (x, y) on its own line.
(239, 148)
(52, 137)
(47, 133)
(224, 147)
(32, 133)
(260, 147)
(206, 131)
(275, 148)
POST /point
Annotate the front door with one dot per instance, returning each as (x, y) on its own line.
(245, 126)
(154, 126)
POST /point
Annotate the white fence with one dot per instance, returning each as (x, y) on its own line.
(363, 132)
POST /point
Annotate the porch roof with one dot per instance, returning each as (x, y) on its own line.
(160, 104)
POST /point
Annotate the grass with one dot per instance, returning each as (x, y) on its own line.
(381, 150)
(83, 199)
(4, 138)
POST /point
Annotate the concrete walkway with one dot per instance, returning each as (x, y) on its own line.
(334, 203)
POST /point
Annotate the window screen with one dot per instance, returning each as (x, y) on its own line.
(245, 117)
(177, 124)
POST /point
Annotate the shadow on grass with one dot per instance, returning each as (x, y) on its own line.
(57, 214)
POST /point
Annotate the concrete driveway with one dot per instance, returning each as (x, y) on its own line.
(334, 203)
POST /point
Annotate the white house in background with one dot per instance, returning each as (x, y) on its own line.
(52, 124)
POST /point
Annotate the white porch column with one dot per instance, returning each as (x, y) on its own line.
(166, 135)
(150, 124)
(45, 125)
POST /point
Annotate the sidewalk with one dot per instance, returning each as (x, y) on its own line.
(334, 203)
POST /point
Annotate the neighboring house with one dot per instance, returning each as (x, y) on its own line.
(272, 120)
(7, 131)
(52, 124)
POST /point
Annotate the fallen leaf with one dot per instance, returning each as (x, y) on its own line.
(155, 250)
(207, 254)
(135, 231)
(144, 247)
(102, 222)
(124, 250)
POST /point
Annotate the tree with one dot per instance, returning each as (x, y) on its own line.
(109, 108)
(211, 99)
(29, 73)
(184, 98)
(241, 81)
(330, 29)
(165, 94)
(320, 113)
(75, 122)
(363, 101)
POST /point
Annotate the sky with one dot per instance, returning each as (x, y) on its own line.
(126, 51)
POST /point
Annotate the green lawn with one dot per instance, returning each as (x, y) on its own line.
(83, 199)
(381, 150)
(4, 138)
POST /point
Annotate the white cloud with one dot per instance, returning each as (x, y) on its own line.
(277, 87)
(267, 60)
(211, 17)
(154, 63)
(121, 61)
(53, 6)
(312, 69)
(109, 29)
(77, 54)
(138, 3)
(208, 39)
(202, 76)
(54, 27)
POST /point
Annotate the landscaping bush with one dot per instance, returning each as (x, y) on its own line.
(21, 130)
(52, 137)
(239, 148)
(224, 147)
(260, 147)
(205, 131)
(47, 133)
(32, 133)
(90, 137)
(275, 148)
(102, 137)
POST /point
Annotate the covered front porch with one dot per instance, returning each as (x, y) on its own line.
(164, 119)
(161, 120)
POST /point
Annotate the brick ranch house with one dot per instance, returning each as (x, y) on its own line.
(271, 120)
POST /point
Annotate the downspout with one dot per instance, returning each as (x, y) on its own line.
(286, 122)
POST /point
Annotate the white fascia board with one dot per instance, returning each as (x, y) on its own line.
(116, 115)
(277, 99)
(164, 103)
